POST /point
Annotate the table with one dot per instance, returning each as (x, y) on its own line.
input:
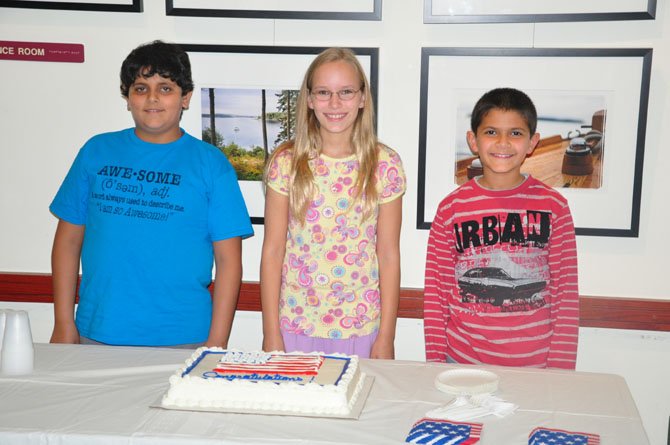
(85, 394)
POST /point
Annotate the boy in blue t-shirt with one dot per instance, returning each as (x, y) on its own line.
(149, 210)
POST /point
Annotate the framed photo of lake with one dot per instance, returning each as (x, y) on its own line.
(285, 9)
(77, 5)
(517, 11)
(244, 103)
(592, 119)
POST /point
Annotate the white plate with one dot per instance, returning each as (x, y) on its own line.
(467, 381)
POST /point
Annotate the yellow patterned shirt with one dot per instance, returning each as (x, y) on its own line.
(330, 276)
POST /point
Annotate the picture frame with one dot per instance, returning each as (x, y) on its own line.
(286, 9)
(618, 78)
(211, 71)
(77, 5)
(519, 11)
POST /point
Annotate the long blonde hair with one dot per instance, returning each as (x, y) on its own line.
(307, 143)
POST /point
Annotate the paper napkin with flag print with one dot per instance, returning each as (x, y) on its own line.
(548, 436)
(444, 432)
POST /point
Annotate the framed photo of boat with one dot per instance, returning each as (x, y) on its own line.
(77, 5)
(509, 11)
(592, 119)
(285, 9)
(244, 103)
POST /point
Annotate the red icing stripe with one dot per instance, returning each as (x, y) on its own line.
(277, 364)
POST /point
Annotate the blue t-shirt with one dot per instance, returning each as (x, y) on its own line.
(152, 212)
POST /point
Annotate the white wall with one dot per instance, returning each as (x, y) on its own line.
(49, 109)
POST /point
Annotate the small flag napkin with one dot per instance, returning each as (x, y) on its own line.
(548, 436)
(443, 432)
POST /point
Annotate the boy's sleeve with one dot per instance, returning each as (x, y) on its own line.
(438, 275)
(564, 292)
(71, 201)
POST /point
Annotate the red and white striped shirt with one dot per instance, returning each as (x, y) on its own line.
(501, 278)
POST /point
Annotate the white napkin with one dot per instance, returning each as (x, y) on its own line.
(472, 407)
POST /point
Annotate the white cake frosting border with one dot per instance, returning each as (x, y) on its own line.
(189, 391)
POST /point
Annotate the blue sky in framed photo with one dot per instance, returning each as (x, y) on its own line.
(238, 115)
(559, 112)
(240, 101)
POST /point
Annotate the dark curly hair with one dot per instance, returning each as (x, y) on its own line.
(165, 59)
(506, 99)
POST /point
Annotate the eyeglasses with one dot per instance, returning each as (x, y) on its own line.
(324, 95)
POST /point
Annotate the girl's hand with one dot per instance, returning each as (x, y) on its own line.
(383, 349)
(273, 343)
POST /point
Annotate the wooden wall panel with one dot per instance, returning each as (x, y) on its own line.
(600, 312)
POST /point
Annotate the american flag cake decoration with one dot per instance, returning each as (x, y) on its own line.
(272, 364)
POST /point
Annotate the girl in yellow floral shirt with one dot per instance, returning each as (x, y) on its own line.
(330, 267)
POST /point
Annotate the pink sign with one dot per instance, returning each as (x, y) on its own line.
(42, 52)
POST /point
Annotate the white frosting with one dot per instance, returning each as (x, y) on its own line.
(189, 390)
(255, 357)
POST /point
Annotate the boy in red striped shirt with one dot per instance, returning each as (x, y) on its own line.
(501, 265)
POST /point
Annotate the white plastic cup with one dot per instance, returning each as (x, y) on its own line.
(17, 355)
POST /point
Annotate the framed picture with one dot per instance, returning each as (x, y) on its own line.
(285, 9)
(77, 5)
(592, 118)
(244, 103)
(501, 11)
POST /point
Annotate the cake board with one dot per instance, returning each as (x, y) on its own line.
(354, 414)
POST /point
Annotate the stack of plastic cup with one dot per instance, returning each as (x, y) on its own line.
(17, 353)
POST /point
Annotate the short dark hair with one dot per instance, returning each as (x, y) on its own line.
(165, 59)
(506, 99)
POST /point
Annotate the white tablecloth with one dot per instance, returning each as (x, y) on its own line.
(102, 395)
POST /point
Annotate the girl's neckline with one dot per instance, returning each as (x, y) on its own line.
(343, 158)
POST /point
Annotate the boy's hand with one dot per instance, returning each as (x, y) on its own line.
(65, 333)
(215, 343)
